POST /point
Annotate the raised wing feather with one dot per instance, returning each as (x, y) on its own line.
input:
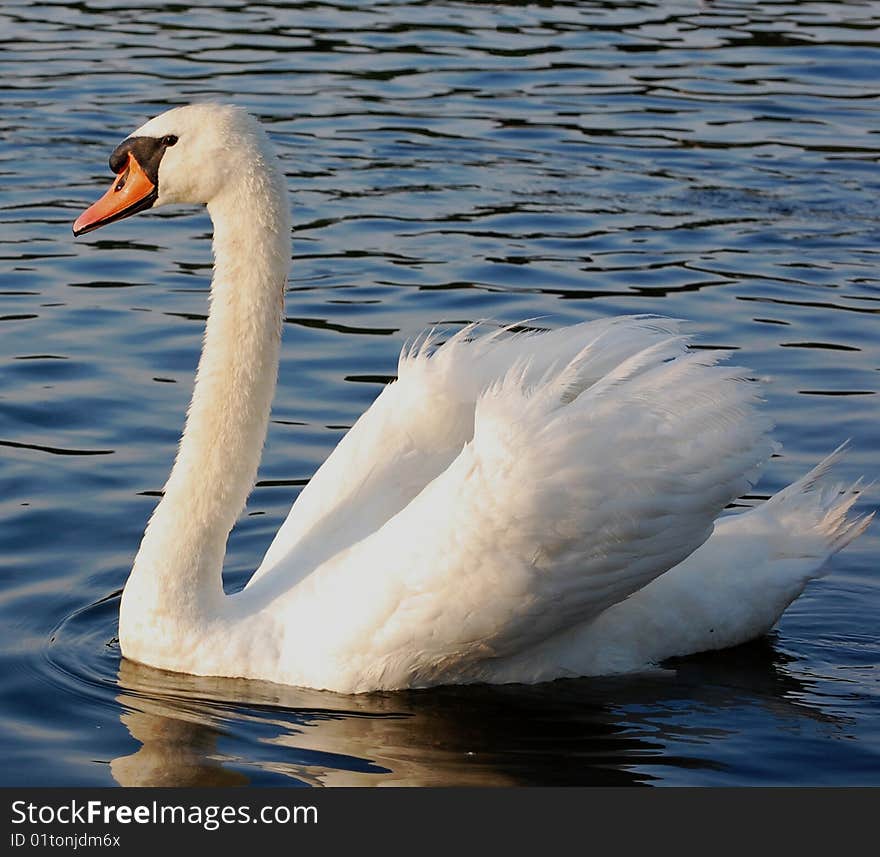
(419, 424)
(572, 494)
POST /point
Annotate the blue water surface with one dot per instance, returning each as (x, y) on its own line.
(447, 161)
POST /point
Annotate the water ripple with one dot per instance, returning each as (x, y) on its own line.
(447, 162)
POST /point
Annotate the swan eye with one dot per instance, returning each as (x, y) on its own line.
(169, 140)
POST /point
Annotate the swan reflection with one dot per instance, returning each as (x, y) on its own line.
(196, 731)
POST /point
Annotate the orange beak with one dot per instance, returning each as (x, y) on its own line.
(131, 192)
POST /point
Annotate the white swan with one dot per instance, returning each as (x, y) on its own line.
(514, 508)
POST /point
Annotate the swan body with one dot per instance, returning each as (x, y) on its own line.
(514, 508)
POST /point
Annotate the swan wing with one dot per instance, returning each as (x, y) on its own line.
(572, 494)
(420, 423)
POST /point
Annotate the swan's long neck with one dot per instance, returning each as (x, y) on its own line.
(177, 574)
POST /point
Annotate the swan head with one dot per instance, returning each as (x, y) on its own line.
(185, 155)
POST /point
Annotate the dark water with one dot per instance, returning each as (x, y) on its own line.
(446, 162)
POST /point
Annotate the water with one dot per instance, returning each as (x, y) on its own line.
(446, 162)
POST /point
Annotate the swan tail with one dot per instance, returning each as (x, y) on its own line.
(813, 515)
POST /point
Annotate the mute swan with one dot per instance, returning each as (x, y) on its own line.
(514, 508)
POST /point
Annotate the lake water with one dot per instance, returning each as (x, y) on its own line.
(715, 161)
